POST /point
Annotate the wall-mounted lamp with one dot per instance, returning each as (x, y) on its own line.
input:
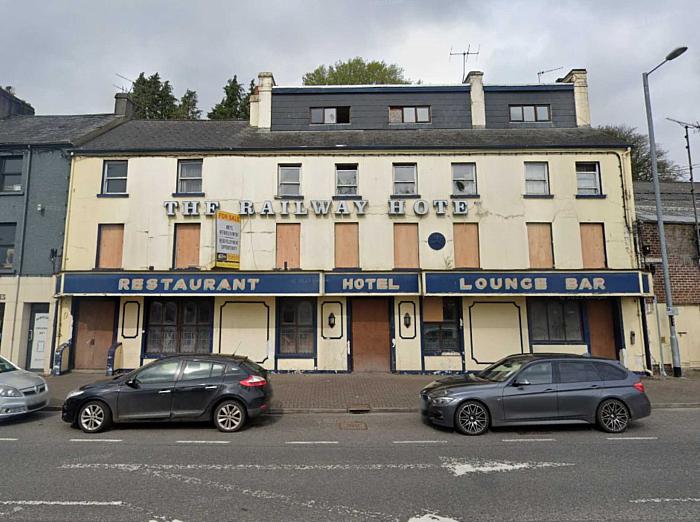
(331, 320)
(407, 320)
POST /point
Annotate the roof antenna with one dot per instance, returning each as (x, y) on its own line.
(465, 56)
(122, 88)
(541, 73)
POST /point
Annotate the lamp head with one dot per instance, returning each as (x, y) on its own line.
(676, 53)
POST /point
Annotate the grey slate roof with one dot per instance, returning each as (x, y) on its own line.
(676, 201)
(52, 130)
(146, 136)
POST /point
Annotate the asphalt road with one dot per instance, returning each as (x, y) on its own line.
(345, 467)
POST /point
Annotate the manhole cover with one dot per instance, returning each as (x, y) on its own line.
(359, 408)
(352, 425)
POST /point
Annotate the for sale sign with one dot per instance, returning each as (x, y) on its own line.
(228, 240)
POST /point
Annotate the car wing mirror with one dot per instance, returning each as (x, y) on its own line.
(132, 383)
(521, 382)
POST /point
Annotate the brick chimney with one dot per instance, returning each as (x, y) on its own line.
(123, 106)
(579, 77)
(478, 106)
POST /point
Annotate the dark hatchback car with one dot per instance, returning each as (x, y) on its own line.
(538, 389)
(226, 390)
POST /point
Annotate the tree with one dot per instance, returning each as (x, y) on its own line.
(356, 71)
(154, 100)
(235, 103)
(641, 155)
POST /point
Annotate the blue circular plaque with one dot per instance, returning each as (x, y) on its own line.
(436, 241)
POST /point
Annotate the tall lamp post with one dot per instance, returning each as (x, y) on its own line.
(675, 354)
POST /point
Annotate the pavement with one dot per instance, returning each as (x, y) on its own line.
(380, 392)
(377, 467)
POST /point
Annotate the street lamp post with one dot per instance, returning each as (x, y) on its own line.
(675, 354)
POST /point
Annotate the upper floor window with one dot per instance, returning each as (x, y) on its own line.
(588, 178)
(7, 245)
(189, 176)
(114, 177)
(463, 179)
(529, 113)
(409, 114)
(405, 179)
(330, 115)
(536, 178)
(10, 173)
(346, 180)
(289, 180)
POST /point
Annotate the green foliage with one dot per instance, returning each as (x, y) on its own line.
(641, 155)
(235, 103)
(154, 100)
(356, 71)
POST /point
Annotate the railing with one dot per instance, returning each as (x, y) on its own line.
(111, 354)
(58, 357)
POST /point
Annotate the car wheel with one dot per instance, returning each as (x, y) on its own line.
(613, 416)
(229, 416)
(94, 417)
(472, 418)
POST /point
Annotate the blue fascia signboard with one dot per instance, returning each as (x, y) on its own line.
(537, 283)
(371, 283)
(209, 283)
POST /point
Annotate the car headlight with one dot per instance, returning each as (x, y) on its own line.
(442, 401)
(9, 391)
(74, 393)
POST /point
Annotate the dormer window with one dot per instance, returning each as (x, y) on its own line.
(529, 113)
(330, 115)
(409, 114)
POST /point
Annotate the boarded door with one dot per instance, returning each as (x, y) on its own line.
(539, 237)
(94, 335)
(601, 324)
(370, 335)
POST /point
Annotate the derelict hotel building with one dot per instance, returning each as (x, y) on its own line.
(382, 228)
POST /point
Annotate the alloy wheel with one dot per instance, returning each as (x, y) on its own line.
(613, 416)
(92, 417)
(229, 417)
(472, 418)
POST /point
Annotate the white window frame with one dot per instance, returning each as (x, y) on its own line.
(280, 183)
(465, 180)
(106, 180)
(547, 187)
(328, 114)
(343, 167)
(411, 109)
(580, 191)
(414, 181)
(534, 106)
(180, 178)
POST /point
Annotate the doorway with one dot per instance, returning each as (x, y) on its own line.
(95, 331)
(371, 334)
(37, 336)
(601, 325)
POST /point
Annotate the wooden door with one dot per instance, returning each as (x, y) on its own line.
(601, 324)
(371, 340)
(94, 334)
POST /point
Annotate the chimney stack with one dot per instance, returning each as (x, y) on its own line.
(261, 103)
(579, 77)
(123, 106)
(475, 79)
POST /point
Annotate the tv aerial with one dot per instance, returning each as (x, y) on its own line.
(465, 57)
(542, 73)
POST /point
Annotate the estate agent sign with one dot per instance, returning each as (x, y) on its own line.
(228, 240)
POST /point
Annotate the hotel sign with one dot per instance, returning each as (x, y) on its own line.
(371, 283)
(536, 283)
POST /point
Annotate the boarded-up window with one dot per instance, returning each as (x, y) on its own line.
(186, 245)
(593, 245)
(347, 252)
(110, 246)
(406, 245)
(288, 245)
(466, 245)
(539, 236)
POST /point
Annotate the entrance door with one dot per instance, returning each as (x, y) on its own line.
(601, 324)
(38, 336)
(94, 334)
(371, 339)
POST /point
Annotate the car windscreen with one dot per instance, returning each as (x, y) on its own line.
(500, 371)
(6, 366)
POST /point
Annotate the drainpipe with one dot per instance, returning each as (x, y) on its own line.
(21, 254)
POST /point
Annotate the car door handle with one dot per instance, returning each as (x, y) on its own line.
(212, 387)
(594, 385)
(164, 391)
(549, 389)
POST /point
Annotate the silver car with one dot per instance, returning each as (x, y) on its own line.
(20, 391)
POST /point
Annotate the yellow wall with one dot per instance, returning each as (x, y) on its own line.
(687, 329)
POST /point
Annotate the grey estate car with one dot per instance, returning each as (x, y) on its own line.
(538, 389)
(20, 391)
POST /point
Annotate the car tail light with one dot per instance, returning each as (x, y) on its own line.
(639, 386)
(254, 381)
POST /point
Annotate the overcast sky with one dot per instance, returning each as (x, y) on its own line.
(63, 56)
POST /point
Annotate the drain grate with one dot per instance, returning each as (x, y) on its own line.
(352, 425)
(359, 408)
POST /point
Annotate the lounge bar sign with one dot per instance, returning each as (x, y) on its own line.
(534, 283)
(371, 283)
(149, 283)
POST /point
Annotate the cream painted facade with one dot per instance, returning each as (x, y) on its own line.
(688, 331)
(490, 325)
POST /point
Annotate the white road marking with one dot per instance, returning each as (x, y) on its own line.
(203, 442)
(312, 442)
(96, 440)
(460, 467)
(528, 440)
(633, 438)
(663, 500)
(7, 439)
(60, 503)
(252, 467)
(431, 517)
(420, 442)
